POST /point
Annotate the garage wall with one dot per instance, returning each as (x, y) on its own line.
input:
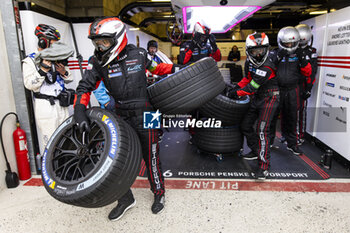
(331, 97)
(7, 103)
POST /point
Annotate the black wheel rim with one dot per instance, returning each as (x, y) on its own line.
(76, 155)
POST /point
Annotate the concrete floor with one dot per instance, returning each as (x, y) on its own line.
(31, 209)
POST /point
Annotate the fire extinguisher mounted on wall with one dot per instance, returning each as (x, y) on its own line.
(20, 143)
(21, 150)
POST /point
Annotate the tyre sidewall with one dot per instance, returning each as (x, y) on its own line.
(94, 179)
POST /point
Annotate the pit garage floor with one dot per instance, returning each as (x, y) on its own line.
(31, 209)
(200, 199)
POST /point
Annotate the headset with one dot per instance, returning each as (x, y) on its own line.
(43, 43)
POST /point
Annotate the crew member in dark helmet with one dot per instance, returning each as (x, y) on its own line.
(198, 48)
(122, 67)
(306, 84)
(259, 82)
(293, 65)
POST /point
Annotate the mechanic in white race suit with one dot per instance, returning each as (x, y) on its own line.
(46, 79)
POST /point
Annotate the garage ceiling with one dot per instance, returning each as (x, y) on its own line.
(152, 17)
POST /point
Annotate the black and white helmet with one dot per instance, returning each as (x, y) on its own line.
(202, 31)
(288, 39)
(108, 35)
(305, 34)
(257, 48)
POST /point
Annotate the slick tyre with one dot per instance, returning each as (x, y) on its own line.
(188, 88)
(225, 140)
(91, 169)
(229, 111)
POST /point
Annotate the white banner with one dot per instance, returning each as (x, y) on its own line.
(331, 93)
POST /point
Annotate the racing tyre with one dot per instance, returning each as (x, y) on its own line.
(225, 140)
(188, 88)
(91, 169)
(229, 111)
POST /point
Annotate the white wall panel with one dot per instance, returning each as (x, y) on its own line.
(332, 90)
(7, 103)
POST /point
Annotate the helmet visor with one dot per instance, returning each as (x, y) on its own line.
(303, 43)
(258, 53)
(203, 38)
(289, 44)
(102, 44)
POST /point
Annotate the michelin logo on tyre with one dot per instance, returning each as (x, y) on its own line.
(45, 175)
(113, 133)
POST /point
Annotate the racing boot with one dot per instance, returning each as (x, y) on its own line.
(158, 204)
(261, 174)
(124, 204)
(283, 140)
(295, 149)
(250, 156)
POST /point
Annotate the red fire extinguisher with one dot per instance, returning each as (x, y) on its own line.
(20, 141)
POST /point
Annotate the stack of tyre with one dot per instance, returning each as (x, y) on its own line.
(227, 139)
(201, 86)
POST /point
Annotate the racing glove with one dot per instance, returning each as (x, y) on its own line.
(308, 87)
(306, 95)
(110, 105)
(302, 57)
(176, 68)
(232, 94)
(80, 118)
(212, 41)
(231, 87)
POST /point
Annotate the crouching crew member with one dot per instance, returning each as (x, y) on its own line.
(259, 82)
(122, 67)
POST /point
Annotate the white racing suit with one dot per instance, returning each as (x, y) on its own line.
(47, 116)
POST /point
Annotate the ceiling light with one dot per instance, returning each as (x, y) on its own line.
(318, 12)
(332, 10)
(134, 29)
(233, 37)
(219, 19)
(160, 0)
